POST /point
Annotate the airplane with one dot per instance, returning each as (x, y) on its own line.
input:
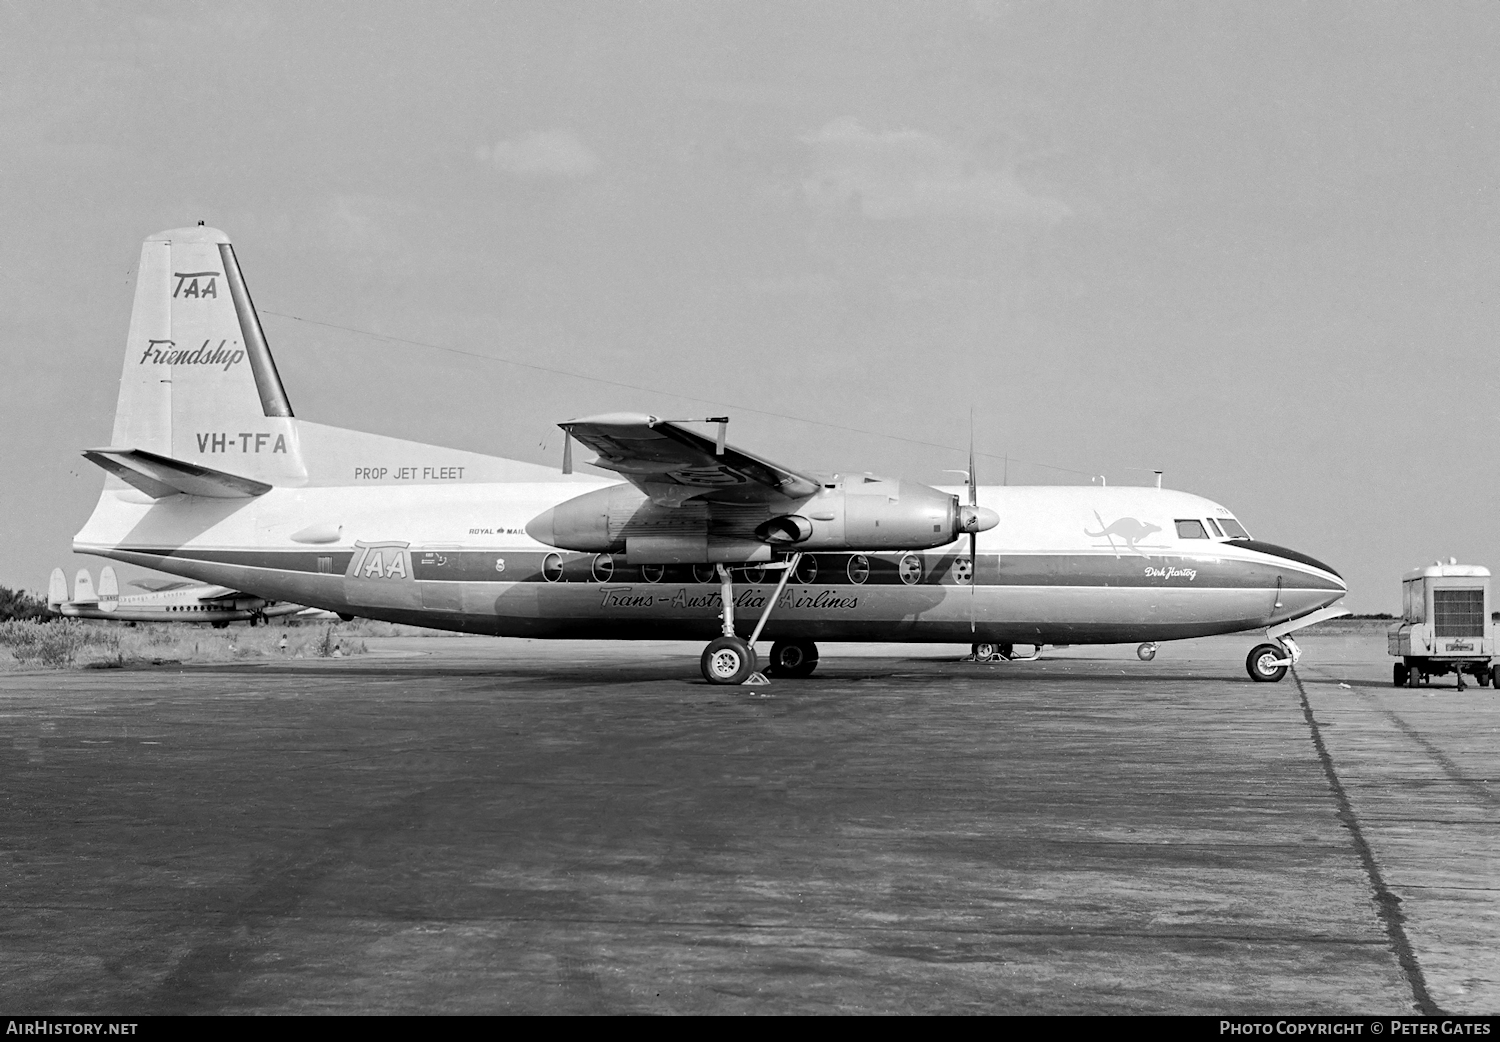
(210, 476)
(164, 601)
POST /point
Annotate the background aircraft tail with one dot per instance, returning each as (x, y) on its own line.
(57, 589)
(199, 384)
(109, 589)
(83, 588)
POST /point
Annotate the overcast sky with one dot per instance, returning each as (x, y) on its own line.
(1254, 245)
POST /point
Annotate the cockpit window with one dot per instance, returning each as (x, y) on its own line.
(1191, 530)
(1233, 529)
(1214, 528)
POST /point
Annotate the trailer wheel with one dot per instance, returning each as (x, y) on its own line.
(1400, 674)
(1483, 676)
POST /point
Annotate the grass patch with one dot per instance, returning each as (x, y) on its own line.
(90, 644)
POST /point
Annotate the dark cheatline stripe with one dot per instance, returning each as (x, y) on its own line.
(281, 560)
(1054, 570)
(1281, 551)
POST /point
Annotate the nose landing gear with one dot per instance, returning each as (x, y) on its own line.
(1268, 663)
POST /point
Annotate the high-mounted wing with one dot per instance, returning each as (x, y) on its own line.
(672, 464)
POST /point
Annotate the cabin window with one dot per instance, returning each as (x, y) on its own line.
(1215, 528)
(604, 567)
(859, 568)
(325, 565)
(1191, 530)
(807, 570)
(1414, 606)
(552, 568)
(910, 569)
(1458, 613)
(1233, 529)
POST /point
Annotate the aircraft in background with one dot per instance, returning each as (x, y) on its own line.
(165, 601)
(210, 476)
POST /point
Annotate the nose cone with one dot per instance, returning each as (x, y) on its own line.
(540, 527)
(977, 519)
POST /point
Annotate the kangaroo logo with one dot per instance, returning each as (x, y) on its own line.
(1128, 529)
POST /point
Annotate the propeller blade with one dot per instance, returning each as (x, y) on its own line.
(973, 485)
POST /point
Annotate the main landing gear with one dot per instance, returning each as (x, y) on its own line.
(793, 658)
(1001, 653)
(730, 660)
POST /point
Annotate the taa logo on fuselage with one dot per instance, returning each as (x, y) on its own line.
(379, 561)
(195, 284)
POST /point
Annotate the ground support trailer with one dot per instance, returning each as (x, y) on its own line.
(1445, 626)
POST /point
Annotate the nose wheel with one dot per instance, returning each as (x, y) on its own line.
(1269, 663)
(1147, 651)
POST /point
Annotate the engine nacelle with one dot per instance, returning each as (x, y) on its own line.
(859, 513)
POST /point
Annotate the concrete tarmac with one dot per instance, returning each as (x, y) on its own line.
(462, 825)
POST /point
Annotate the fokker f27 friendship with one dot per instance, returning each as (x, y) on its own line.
(211, 477)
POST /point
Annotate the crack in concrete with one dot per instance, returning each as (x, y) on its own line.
(1387, 904)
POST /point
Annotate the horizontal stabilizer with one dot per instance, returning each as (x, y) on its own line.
(160, 476)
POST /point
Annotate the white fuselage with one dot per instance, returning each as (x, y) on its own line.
(1064, 565)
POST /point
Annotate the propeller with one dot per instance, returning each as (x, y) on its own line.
(974, 528)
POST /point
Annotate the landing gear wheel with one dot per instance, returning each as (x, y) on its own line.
(1399, 674)
(727, 660)
(985, 652)
(793, 658)
(1147, 651)
(1263, 663)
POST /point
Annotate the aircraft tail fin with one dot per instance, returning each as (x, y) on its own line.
(83, 588)
(109, 589)
(199, 384)
(57, 589)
